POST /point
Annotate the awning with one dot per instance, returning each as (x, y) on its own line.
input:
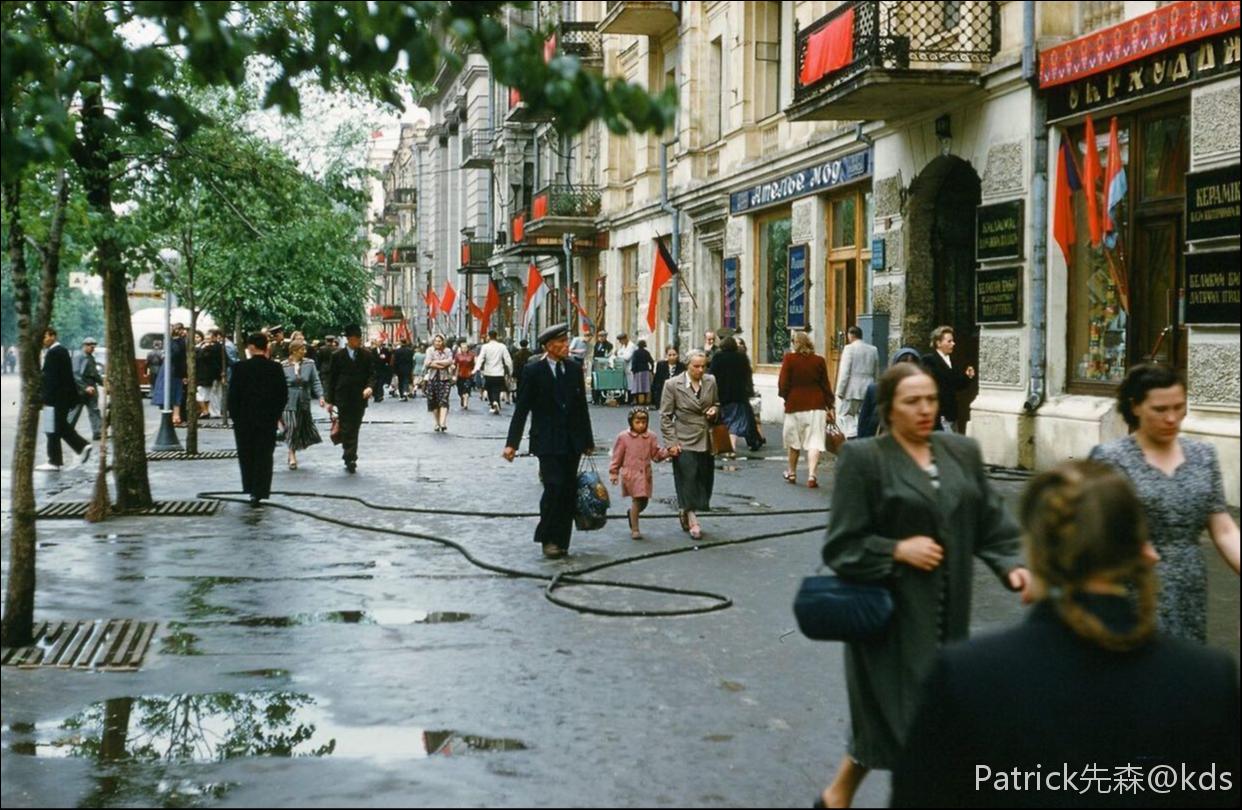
(1108, 48)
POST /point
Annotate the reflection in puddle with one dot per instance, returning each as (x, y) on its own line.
(141, 745)
(393, 616)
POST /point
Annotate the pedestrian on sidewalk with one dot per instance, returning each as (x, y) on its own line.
(60, 395)
(256, 401)
(553, 394)
(302, 380)
(736, 385)
(439, 377)
(464, 359)
(803, 384)
(860, 363)
(909, 510)
(347, 391)
(89, 379)
(624, 354)
(155, 360)
(868, 419)
(689, 404)
(520, 358)
(403, 364)
(1086, 678)
(632, 454)
(665, 370)
(495, 363)
(950, 379)
(641, 365)
(383, 369)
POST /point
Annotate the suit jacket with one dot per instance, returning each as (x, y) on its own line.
(257, 394)
(683, 417)
(1041, 695)
(347, 379)
(949, 380)
(403, 360)
(59, 387)
(860, 363)
(881, 496)
(302, 386)
(560, 423)
(86, 373)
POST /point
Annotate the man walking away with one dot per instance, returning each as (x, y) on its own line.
(89, 379)
(860, 362)
(257, 397)
(403, 362)
(496, 364)
(348, 387)
(60, 395)
(554, 395)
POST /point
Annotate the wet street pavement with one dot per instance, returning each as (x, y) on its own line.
(301, 662)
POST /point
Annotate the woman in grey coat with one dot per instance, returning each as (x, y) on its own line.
(303, 380)
(688, 404)
(909, 509)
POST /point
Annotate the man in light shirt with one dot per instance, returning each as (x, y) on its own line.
(496, 364)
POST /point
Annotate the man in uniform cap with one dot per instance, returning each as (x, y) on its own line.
(347, 387)
(89, 378)
(554, 394)
(278, 347)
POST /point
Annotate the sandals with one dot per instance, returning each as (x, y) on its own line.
(790, 478)
(812, 483)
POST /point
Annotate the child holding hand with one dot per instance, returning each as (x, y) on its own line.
(632, 455)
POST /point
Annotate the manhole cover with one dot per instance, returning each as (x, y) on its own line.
(182, 455)
(117, 645)
(72, 510)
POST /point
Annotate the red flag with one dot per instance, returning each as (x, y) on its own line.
(476, 311)
(665, 269)
(828, 49)
(584, 320)
(1063, 229)
(1091, 174)
(490, 304)
(536, 291)
(448, 301)
(433, 304)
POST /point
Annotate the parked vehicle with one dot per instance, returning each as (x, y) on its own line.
(148, 327)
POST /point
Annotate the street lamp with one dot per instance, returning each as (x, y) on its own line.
(166, 439)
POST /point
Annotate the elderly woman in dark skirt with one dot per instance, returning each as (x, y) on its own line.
(687, 407)
(302, 378)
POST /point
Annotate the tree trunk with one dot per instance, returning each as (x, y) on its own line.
(17, 629)
(129, 465)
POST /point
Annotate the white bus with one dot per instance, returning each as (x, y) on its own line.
(148, 326)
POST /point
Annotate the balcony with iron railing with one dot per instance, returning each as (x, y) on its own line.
(476, 149)
(580, 39)
(641, 17)
(561, 209)
(475, 255)
(404, 197)
(877, 59)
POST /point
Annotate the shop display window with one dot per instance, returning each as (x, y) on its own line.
(775, 233)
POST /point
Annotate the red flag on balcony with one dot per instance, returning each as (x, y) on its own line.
(448, 301)
(519, 227)
(539, 207)
(515, 97)
(665, 269)
(829, 49)
(465, 253)
(549, 48)
(1063, 229)
(1091, 174)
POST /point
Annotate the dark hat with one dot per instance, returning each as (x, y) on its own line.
(353, 330)
(553, 332)
(329, 337)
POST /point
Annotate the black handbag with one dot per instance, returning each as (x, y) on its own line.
(829, 608)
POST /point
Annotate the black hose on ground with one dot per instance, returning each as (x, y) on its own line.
(563, 579)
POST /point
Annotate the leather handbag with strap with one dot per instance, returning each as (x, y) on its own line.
(833, 437)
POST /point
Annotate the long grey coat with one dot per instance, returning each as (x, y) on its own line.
(882, 496)
(860, 363)
(682, 414)
(308, 383)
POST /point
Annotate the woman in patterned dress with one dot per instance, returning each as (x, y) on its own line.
(439, 376)
(1179, 482)
(302, 378)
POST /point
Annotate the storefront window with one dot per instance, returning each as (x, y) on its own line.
(773, 271)
(1123, 289)
(844, 222)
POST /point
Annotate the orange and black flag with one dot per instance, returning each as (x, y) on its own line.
(665, 269)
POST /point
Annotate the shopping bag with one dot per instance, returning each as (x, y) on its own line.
(591, 506)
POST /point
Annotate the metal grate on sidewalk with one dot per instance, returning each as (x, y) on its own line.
(75, 510)
(110, 645)
(182, 455)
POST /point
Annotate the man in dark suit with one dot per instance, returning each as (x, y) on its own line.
(554, 394)
(949, 378)
(323, 358)
(257, 397)
(60, 393)
(347, 388)
(403, 364)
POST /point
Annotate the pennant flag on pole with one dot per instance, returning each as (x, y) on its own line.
(433, 304)
(1115, 183)
(536, 291)
(490, 304)
(1091, 174)
(665, 269)
(448, 301)
(1063, 229)
(584, 320)
(476, 311)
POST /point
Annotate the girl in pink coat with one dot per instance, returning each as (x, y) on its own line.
(632, 455)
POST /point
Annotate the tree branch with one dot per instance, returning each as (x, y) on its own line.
(224, 198)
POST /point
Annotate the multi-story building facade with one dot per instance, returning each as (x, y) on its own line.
(893, 164)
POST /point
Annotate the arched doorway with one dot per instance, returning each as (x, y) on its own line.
(940, 276)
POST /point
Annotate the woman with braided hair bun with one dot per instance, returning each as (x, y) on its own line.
(1086, 693)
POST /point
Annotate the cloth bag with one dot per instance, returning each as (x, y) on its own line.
(829, 608)
(592, 501)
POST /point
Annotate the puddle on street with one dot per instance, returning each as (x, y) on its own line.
(391, 616)
(142, 745)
